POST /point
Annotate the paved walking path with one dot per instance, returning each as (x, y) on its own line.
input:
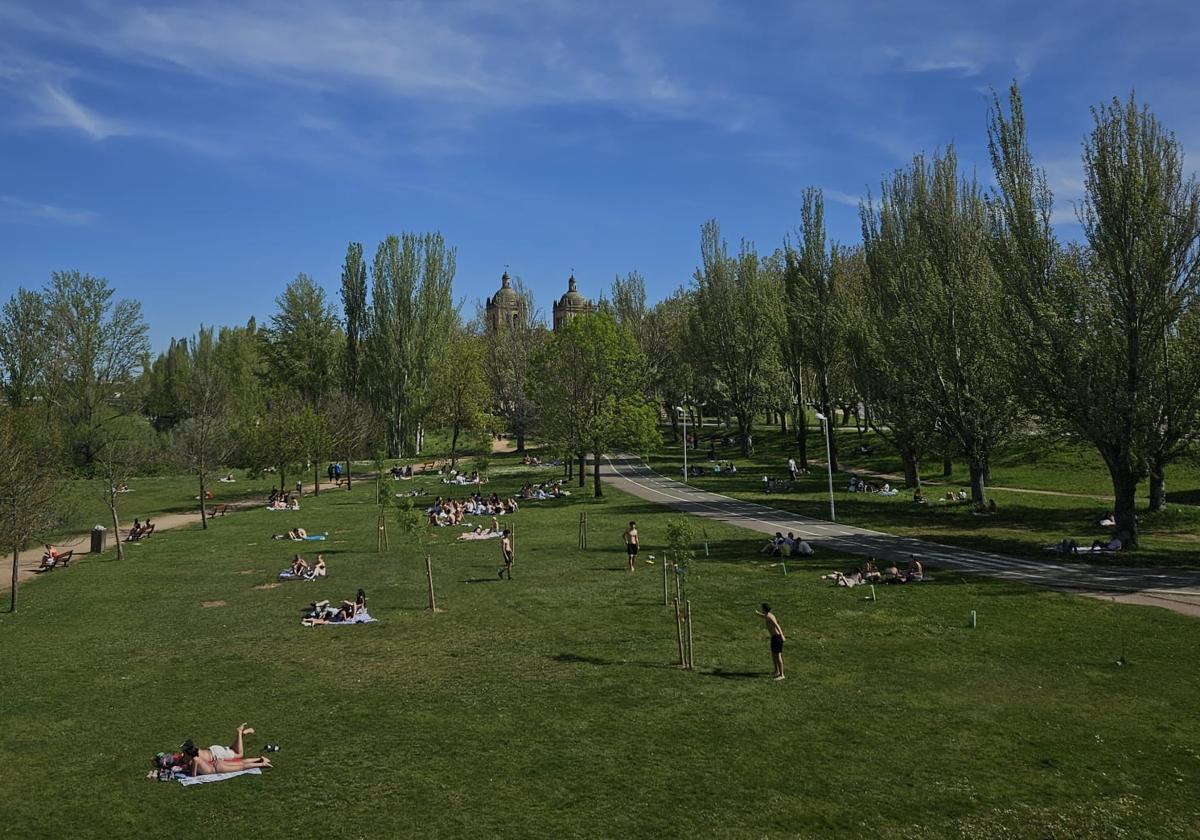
(1175, 589)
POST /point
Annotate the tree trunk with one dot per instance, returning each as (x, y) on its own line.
(454, 446)
(12, 604)
(582, 469)
(674, 418)
(978, 488)
(281, 478)
(912, 471)
(745, 425)
(783, 429)
(348, 482)
(801, 426)
(112, 509)
(203, 505)
(1158, 488)
(846, 409)
(597, 490)
(947, 466)
(520, 439)
(1125, 483)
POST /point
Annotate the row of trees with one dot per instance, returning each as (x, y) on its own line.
(959, 322)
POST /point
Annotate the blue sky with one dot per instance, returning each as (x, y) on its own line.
(200, 155)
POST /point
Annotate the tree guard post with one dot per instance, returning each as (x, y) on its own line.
(679, 635)
(691, 651)
(429, 576)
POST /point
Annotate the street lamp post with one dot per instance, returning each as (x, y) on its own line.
(828, 463)
(683, 414)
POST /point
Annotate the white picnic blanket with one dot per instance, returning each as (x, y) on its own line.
(188, 781)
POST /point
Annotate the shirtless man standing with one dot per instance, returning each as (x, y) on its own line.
(631, 544)
(506, 552)
(777, 638)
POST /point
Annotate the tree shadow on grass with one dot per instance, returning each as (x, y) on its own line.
(580, 659)
(483, 580)
(735, 675)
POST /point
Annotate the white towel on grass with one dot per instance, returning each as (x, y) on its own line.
(188, 781)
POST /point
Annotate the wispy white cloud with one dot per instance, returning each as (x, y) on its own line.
(16, 210)
(840, 197)
(56, 107)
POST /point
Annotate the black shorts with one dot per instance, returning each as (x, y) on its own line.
(507, 558)
(777, 644)
(632, 548)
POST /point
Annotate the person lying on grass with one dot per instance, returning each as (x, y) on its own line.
(1114, 544)
(296, 534)
(851, 578)
(219, 758)
(321, 612)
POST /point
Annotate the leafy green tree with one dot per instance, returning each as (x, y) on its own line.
(354, 308)
(1108, 333)
(732, 326)
(163, 383)
(95, 351)
(590, 393)
(509, 347)
(32, 483)
(24, 342)
(303, 342)
(458, 393)
(127, 446)
(813, 312)
(412, 313)
(203, 441)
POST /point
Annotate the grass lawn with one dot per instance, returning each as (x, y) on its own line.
(548, 706)
(1026, 523)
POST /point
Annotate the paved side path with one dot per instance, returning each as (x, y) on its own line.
(1175, 589)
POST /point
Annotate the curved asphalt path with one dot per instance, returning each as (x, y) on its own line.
(1175, 589)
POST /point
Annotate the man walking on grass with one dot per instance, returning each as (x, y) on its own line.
(777, 638)
(506, 552)
(631, 544)
(792, 468)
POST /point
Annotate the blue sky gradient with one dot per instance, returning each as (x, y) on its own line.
(200, 155)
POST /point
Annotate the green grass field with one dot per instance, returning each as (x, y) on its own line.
(1026, 523)
(549, 706)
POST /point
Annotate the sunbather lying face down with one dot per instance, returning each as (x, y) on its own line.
(215, 759)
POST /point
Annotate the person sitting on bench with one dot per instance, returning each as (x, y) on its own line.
(49, 558)
(135, 531)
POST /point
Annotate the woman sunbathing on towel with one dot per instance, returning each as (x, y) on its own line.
(294, 534)
(221, 759)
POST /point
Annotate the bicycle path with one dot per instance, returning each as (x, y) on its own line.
(1174, 589)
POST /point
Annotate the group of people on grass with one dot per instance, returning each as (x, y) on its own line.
(323, 612)
(857, 485)
(462, 479)
(781, 546)
(279, 500)
(449, 512)
(300, 570)
(869, 572)
(543, 491)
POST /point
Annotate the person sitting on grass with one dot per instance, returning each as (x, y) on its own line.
(320, 612)
(870, 573)
(219, 758)
(296, 534)
(318, 570)
(918, 497)
(1066, 546)
(299, 566)
(992, 507)
(1114, 544)
(891, 573)
(229, 479)
(771, 548)
(802, 548)
(916, 572)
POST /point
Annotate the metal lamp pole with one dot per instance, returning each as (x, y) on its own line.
(683, 414)
(828, 463)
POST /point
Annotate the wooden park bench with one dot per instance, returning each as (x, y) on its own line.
(218, 510)
(61, 561)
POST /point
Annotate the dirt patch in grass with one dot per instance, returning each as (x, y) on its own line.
(212, 603)
(250, 571)
(266, 586)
